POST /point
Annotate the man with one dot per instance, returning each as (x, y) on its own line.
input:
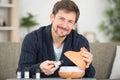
(43, 47)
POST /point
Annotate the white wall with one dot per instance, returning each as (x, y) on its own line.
(90, 16)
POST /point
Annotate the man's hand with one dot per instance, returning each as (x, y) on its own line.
(48, 67)
(88, 57)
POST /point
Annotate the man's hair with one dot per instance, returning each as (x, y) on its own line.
(67, 5)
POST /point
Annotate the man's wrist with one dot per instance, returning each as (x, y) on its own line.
(40, 69)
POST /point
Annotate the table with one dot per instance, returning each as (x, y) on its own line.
(60, 79)
(52, 79)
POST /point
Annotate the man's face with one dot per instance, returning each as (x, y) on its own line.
(63, 22)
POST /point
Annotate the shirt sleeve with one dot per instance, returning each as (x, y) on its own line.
(89, 72)
(28, 55)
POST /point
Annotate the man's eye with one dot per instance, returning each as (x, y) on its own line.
(71, 22)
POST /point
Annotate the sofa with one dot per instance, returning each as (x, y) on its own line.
(104, 54)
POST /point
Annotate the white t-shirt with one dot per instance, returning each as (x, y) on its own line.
(58, 52)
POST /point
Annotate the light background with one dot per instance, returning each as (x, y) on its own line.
(91, 14)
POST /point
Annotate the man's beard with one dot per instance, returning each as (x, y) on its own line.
(56, 31)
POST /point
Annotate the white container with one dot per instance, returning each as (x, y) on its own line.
(70, 69)
(26, 74)
(37, 75)
(71, 72)
(18, 75)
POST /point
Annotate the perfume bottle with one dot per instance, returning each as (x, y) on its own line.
(26, 73)
(19, 76)
(58, 63)
(37, 74)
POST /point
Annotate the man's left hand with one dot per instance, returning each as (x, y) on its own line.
(88, 57)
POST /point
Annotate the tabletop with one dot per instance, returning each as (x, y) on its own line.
(52, 79)
(59, 79)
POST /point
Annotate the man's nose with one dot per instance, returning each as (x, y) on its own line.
(65, 24)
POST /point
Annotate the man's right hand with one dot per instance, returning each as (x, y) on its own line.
(48, 67)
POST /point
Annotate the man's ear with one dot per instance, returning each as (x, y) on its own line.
(51, 17)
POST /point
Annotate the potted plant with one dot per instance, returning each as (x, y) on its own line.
(111, 25)
(28, 21)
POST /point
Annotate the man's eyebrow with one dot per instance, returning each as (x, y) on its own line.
(65, 18)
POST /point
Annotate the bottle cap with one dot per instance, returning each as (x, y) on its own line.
(26, 68)
(58, 63)
(38, 70)
(18, 69)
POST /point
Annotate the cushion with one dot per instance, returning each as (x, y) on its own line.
(115, 74)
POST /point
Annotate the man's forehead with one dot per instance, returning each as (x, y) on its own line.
(66, 14)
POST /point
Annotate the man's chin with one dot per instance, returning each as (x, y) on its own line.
(62, 36)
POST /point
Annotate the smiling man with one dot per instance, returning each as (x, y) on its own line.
(43, 47)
